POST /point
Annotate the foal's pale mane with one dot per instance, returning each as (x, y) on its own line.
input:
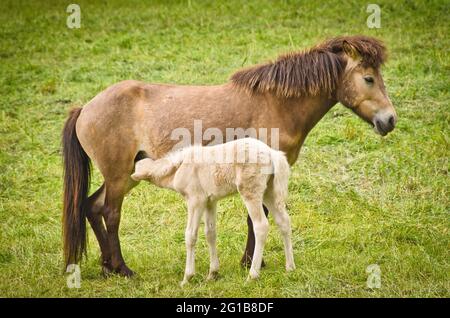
(309, 72)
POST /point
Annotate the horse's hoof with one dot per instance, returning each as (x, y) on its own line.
(107, 269)
(125, 271)
(246, 262)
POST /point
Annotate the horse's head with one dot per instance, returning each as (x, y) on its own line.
(362, 88)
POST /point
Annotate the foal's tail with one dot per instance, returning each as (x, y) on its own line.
(281, 174)
(76, 187)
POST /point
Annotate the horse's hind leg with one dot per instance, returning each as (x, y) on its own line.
(94, 211)
(115, 192)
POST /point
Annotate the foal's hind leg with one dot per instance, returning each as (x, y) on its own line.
(261, 228)
(94, 209)
(246, 259)
(281, 217)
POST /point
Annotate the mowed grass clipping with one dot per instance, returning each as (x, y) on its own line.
(355, 199)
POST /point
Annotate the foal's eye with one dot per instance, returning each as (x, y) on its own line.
(368, 79)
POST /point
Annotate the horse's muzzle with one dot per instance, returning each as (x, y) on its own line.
(384, 123)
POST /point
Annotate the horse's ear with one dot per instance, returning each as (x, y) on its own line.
(351, 51)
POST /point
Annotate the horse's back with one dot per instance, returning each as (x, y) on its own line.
(133, 116)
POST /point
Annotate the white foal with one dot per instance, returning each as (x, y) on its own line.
(204, 175)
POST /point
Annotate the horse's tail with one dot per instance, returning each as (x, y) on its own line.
(280, 175)
(76, 187)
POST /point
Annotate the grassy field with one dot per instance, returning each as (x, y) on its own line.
(355, 199)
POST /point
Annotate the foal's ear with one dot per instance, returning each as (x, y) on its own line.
(351, 51)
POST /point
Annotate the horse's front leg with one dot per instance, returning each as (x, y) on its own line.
(195, 211)
(246, 260)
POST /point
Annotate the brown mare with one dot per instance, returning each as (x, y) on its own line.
(131, 120)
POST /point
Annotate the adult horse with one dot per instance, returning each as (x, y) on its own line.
(132, 119)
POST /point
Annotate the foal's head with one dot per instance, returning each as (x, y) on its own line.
(361, 87)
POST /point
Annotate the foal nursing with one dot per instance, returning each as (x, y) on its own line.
(204, 175)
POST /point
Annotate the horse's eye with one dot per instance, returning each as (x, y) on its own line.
(368, 79)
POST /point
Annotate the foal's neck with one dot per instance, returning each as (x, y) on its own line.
(165, 181)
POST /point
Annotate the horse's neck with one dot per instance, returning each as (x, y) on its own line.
(309, 111)
(299, 116)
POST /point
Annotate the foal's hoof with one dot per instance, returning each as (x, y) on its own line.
(186, 279)
(184, 282)
(290, 268)
(213, 275)
(252, 277)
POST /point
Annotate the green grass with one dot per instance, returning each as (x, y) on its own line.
(355, 199)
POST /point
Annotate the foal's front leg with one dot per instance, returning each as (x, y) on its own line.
(195, 211)
(211, 234)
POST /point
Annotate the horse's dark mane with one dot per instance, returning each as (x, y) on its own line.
(309, 72)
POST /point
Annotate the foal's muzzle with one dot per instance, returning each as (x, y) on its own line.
(384, 122)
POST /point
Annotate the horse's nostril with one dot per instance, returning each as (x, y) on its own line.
(377, 123)
(392, 120)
